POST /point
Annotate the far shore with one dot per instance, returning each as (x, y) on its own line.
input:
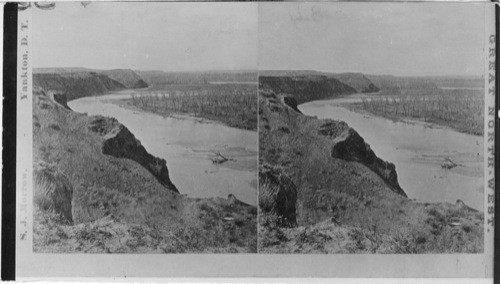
(353, 103)
(429, 123)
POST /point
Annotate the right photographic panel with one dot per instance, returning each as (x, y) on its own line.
(371, 128)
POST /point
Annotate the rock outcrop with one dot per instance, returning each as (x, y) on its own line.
(350, 146)
(290, 101)
(59, 98)
(119, 142)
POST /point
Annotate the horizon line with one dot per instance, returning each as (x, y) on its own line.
(148, 70)
(267, 70)
(373, 74)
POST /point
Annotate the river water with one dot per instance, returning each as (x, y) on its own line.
(418, 150)
(188, 145)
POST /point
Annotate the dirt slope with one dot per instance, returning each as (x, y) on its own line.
(320, 177)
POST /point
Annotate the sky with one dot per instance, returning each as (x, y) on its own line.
(405, 39)
(147, 36)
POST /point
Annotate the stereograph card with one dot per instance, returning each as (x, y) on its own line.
(257, 139)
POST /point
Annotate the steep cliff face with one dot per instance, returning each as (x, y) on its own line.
(59, 98)
(349, 146)
(306, 88)
(121, 143)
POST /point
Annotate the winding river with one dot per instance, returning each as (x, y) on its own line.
(188, 145)
(418, 150)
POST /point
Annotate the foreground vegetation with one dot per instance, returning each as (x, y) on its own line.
(110, 234)
(232, 104)
(462, 110)
(443, 228)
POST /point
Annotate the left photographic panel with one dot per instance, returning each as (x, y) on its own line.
(144, 124)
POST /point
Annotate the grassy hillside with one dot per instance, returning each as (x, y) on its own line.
(96, 189)
(306, 88)
(358, 81)
(76, 85)
(126, 77)
(323, 190)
